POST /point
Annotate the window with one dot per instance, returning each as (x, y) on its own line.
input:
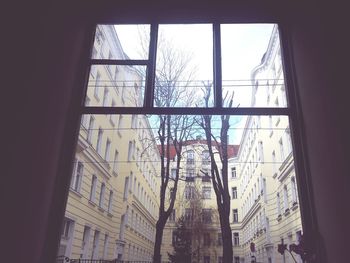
(281, 150)
(115, 162)
(173, 173)
(190, 157)
(274, 167)
(278, 200)
(235, 215)
(294, 190)
(90, 129)
(233, 172)
(236, 260)
(189, 192)
(206, 215)
(206, 239)
(219, 239)
(126, 187)
(206, 259)
(235, 239)
(77, 177)
(85, 241)
(102, 195)
(93, 188)
(95, 245)
(205, 157)
(250, 149)
(172, 216)
(206, 192)
(105, 97)
(188, 214)
(285, 198)
(108, 146)
(97, 86)
(99, 141)
(110, 202)
(105, 246)
(234, 192)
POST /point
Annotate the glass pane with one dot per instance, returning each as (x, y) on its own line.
(121, 42)
(116, 86)
(122, 154)
(252, 66)
(184, 66)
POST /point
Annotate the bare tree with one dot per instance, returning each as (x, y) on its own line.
(173, 76)
(220, 182)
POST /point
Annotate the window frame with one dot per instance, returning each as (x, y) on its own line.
(304, 185)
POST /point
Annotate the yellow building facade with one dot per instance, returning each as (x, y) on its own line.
(113, 199)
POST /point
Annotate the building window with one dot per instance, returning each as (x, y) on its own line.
(281, 149)
(90, 129)
(102, 195)
(173, 173)
(126, 188)
(172, 216)
(205, 157)
(236, 259)
(235, 239)
(189, 192)
(274, 167)
(234, 192)
(206, 192)
(99, 141)
(97, 86)
(294, 190)
(189, 214)
(206, 239)
(233, 172)
(105, 246)
(235, 215)
(219, 239)
(105, 97)
(115, 162)
(77, 177)
(110, 202)
(206, 259)
(95, 245)
(85, 242)
(285, 198)
(261, 152)
(278, 204)
(190, 157)
(108, 146)
(206, 215)
(93, 188)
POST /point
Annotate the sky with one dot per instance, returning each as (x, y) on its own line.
(243, 46)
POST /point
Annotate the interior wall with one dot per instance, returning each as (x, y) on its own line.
(50, 41)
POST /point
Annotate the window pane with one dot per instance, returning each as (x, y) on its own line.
(184, 65)
(116, 86)
(121, 42)
(252, 65)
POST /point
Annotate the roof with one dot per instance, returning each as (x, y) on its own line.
(232, 149)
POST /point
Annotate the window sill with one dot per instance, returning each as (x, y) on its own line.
(286, 212)
(279, 218)
(92, 203)
(101, 209)
(109, 214)
(76, 193)
(295, 205)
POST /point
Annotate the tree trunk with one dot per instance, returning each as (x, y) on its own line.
(226, 240)
(158, 242)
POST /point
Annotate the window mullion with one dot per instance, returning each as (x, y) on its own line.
(151, 68)
(217, 66)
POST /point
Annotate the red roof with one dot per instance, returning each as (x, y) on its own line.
(232, 149)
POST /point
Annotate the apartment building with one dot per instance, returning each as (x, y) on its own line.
(196, 202)
(112, 204)
(265, 206)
